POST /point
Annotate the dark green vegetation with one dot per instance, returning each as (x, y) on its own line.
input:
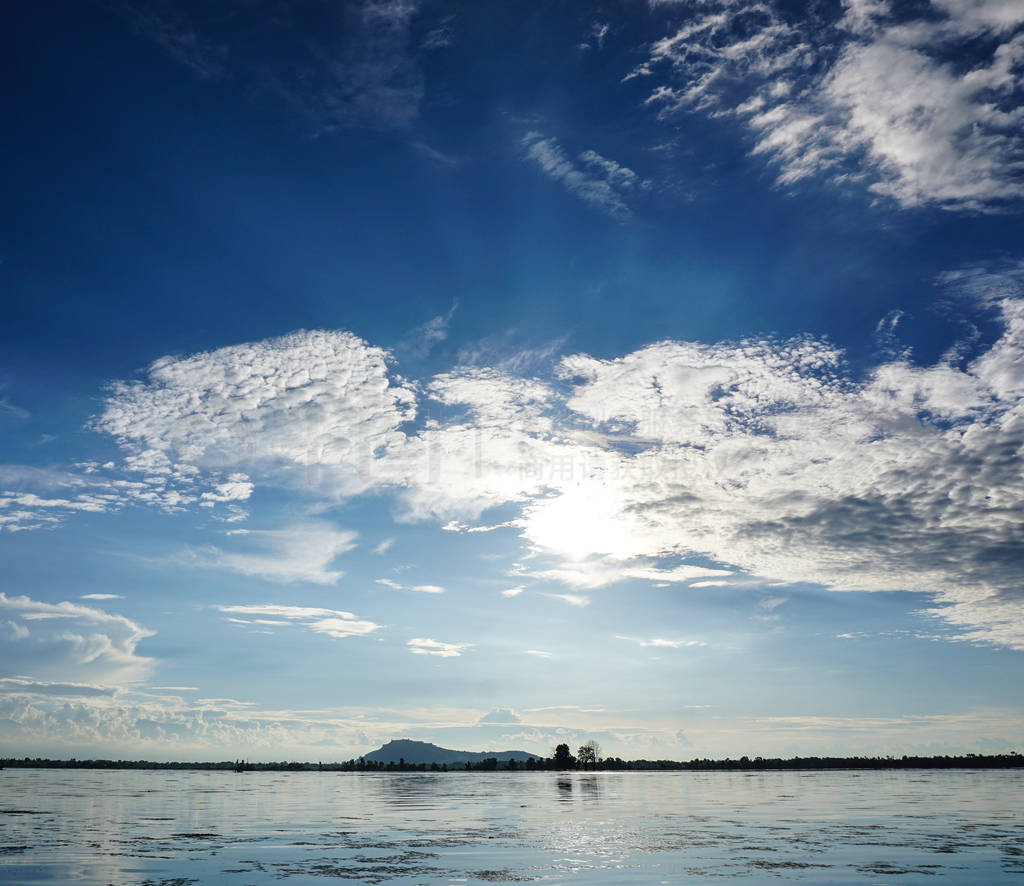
(561, 759)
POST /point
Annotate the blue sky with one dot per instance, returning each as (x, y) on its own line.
(648, 372)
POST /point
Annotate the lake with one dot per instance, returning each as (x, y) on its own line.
(165, 828)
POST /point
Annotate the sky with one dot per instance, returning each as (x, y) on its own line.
(502, 375)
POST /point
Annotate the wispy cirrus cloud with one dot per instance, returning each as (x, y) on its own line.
(578, 600)
(662, 643)
(53, 640)
(335, 67)
(301, 552)
(422, 589)
(881, 93)
(11, 409)
(24, 686)
(427, 646)
(419, 342)
(599, 182)
(334, 623)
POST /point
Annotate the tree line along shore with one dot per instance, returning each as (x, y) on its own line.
(1010, 760)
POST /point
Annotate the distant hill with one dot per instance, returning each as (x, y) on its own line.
(425, 752)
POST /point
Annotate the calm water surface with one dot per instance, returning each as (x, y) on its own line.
(175, 828)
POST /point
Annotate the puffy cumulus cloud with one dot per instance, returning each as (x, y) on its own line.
(334, 623)
(319, 400)
(426, 646)
(61, 721)
(54, 640)
(237, 487)
(923, 103)
(136, 723)
(679, 463)
(765, 456)
(487, 441)
(599, 182)
(302, 552)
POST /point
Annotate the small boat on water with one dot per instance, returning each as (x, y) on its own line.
(240, 766)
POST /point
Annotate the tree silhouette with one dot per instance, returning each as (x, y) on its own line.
(589, 755)
(563, 759)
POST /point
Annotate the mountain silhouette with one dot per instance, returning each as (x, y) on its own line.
(425, 752)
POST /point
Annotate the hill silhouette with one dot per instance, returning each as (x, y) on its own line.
(425, 752)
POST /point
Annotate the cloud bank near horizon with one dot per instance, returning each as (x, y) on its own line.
(83, 719)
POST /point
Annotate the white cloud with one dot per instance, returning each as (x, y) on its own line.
(102, 597)
(334, 623)
(8, 407)
(64, 720)
(383, 547)
(426, 646)
(236, 488)
(566, 526)
(56, 641)
(766, 608)
(25, 508)
(23, 686)
(447, 161)
(422, 589)
(303, 552)
(319, 406)
(602, 183)
(867, 96)
(177, 36)
(681, 462)
(513, 592)
(572, 599)
(500, 715)
(501, 352)
(768, 456)
(661, 643)
(16, 630)
(421, 341)
(538, 653)
(596, 36)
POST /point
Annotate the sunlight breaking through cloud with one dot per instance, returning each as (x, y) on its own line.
(678, 463)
